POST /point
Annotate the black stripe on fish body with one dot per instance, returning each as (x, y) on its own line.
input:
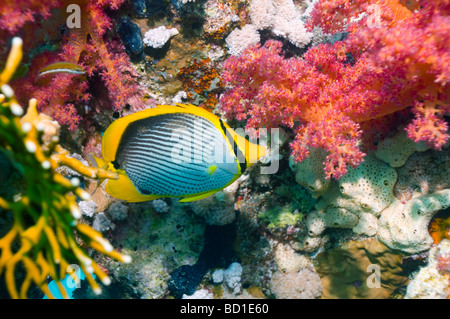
(161, 168)
(154, 182)
(162, 141)
(145, 153)
(162, 147)
(237, 152)
(135, 156)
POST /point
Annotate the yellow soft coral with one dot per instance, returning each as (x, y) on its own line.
(45, 228)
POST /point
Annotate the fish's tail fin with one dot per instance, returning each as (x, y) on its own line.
(252, 151)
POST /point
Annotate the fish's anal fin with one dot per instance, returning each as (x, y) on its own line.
(197, 196)
(122, 188)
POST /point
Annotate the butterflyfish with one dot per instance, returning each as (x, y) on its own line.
(62, 67)
(177, 150)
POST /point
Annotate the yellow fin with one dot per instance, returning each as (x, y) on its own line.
(211, 170)
(195, 197)
(100, 162)
(124, 189)
(252, 151)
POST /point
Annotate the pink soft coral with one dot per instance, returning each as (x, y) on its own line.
(333, 91)
(320, 91)
(111, 81)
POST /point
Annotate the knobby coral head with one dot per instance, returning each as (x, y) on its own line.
(335, 90)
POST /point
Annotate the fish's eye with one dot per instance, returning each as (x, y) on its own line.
(116, 115)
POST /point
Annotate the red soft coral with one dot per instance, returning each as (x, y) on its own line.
(73, 99)
(334, 90)
(15, 14)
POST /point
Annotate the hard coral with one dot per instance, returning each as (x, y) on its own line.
(431, 282)
(334, 90)
(348, 271)
(70, 99)
(304, 284)
(405, 226)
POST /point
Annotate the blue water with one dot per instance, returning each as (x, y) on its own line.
(68, 283)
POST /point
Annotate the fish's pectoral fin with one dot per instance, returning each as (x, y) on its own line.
(211, 170)
(122, 188)
(195, 197)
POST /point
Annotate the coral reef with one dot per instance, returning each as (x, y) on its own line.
(304, 284)
(282, 17)
(345, 95)
(158, 37)
(309, 172)
(240, 39)
(87, 207)
(357, 90)
(102, 223)
(356, 200)
(397, 149)
(131, 37)
(118, 211)
(201, 81)
(439, 227)
(422, 174)
(158, 244)
(217, 209)
(432, 281)
(71, 99)
(288, 261)
(280, 216)
(45, 232)
(200, 294)
(360, 269)
(232, 276)
(405, 226)
(217, 252)
(160, 206)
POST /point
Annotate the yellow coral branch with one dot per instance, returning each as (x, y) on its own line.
(54, 244)
(45, 216)
(90, 172)
(13, 61)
